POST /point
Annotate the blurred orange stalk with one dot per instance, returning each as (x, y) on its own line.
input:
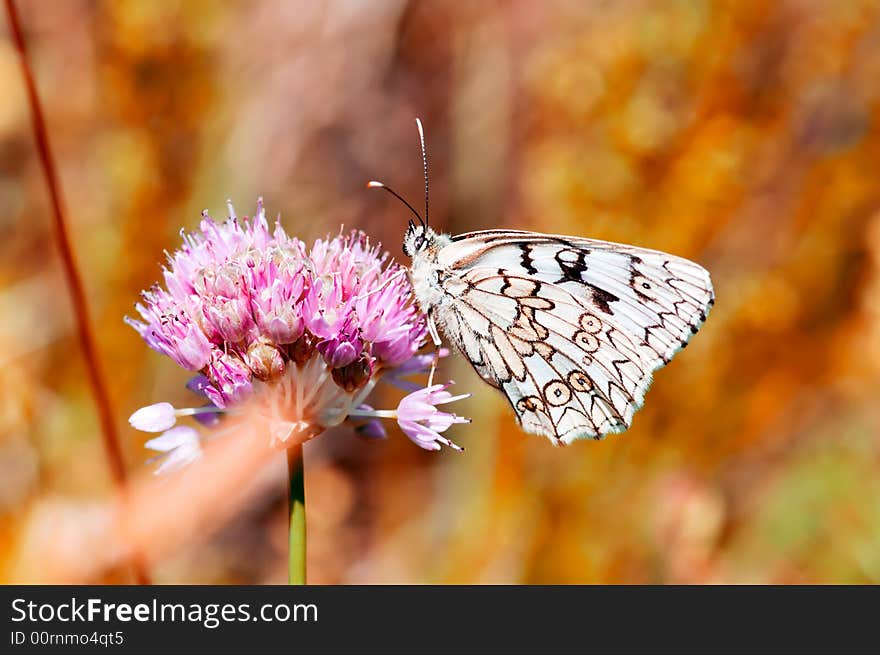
(97, 384)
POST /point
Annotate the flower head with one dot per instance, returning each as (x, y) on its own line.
(302, 333)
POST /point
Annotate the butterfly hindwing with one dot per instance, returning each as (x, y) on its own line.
(569, 329)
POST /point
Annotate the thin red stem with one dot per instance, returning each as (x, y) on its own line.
(97, 383)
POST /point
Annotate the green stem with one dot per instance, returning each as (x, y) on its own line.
(297, 508)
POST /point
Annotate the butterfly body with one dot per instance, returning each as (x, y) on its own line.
(423, 245)
(569, 329)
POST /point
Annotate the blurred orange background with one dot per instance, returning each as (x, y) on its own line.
(742, 134)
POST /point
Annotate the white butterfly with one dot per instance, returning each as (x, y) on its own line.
(569, 329)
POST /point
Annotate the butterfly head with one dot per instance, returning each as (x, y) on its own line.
(417, 239)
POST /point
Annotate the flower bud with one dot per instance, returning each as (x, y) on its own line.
(355, 375)
(264, 360)
(301, 350)
(154, 418)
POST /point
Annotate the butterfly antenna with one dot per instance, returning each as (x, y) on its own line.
(373, 184)
(424, 164)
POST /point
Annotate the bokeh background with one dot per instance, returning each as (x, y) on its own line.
(743, 134)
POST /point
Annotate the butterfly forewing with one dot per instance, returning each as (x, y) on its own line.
(569, 329)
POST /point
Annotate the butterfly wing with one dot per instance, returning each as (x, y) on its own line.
(569, 329)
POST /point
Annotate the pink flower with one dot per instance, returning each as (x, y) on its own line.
(178, 446)
(171, 331)
(302, 334)
(344, 346)
(422, 422)
(389, 325)
(231, 380)
(275, 303)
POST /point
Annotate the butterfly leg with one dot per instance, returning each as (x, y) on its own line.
(432, 330)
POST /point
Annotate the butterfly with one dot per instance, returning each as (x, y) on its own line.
(569, 329)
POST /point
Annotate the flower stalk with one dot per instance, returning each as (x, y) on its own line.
(296, 567)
